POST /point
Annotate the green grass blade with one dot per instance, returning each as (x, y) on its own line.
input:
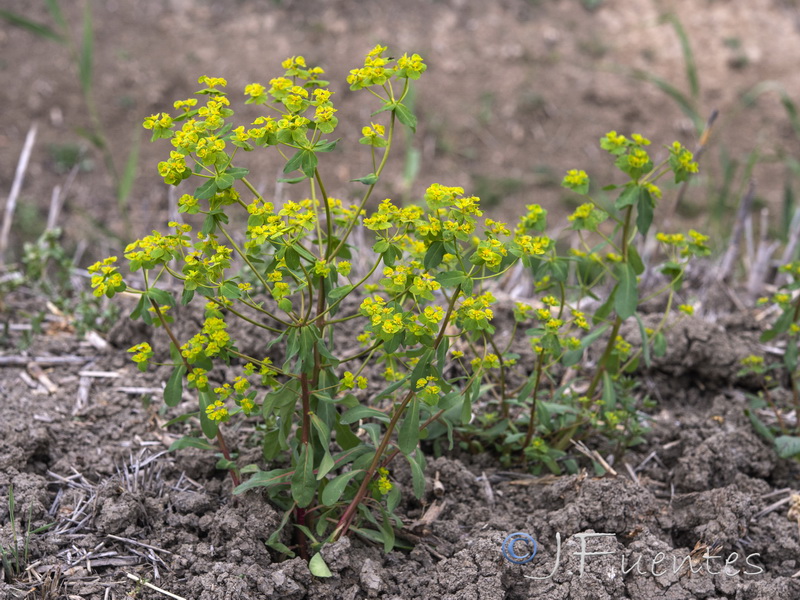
(684, 103)
(129, 171)
(87, 45)
(39, 29)
(759, 89)
(55, 11)
(27, 540)
(791, 110)
(688, 55)
(788, 209)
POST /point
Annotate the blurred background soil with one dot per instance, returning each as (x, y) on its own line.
(517, 92)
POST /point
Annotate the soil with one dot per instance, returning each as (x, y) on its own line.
(90, 456)
(517, 92)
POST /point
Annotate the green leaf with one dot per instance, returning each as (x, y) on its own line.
(335, 487)
(207, 190)
(645, 342)
(137, 310)
(626, 298)
(237, 172)
(318, 567)
(780, 326)
(223, 181)
(387, 530)
(308, 163)
(325, 465)
(373, 536)
(304, 482)
(208, 426)
(434, 256)
(230, 290)
(417, 477)
(265, 479)
(173, 392)
(405, 116)
(160, 297)
(293, 164)
(628, 197)
(790, 355)
(363, 412)
(609, 393)
(191, 442)
(448, 279)
(760, 426)
(644, 212)
(292, 258)
(325, 145)
(408, 435)
(346, 439)
(340, 292)
(370, 179)
(292, 179)
(393, 498)
(36, 28)
(787, 446)
(635, 260)
(660, 344)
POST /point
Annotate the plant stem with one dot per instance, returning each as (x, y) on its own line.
(349, 513)
(602, 364)
(534, 394)
(220, 438)
(503, 403)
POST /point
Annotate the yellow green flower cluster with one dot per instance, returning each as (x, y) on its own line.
(383, 485)
(753, 363)
(632, 158)
(489, 361)
(198, 378)
(682, 162)
(106, 278)
(428, 389)
(474, 313)
(587, 217)
(385, 320)
(389, 215)
(622, 348)
(373, 135)
(206, 266)
(692, 245)
(490, 253)
(350, 381)
(216, 411)
(157, 248)
(211, 341)
(792, 268)
(142, 353)
(377, 69)
(412, 278)
(534, 219)
(576, 180)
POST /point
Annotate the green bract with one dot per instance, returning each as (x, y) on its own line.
(423, 314)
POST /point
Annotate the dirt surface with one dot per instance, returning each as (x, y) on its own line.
(94, 463)
(518, 91)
